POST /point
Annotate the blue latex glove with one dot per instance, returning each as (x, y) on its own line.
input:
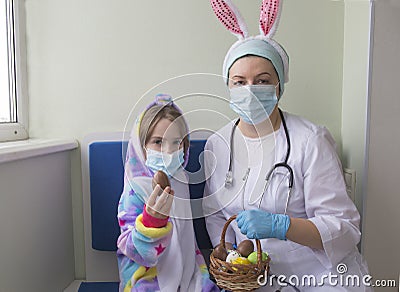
(258, 224)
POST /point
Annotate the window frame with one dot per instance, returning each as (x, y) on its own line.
(18, 130)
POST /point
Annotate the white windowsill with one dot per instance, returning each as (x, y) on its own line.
(10, 151)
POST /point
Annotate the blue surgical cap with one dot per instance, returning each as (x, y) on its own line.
(261, 48)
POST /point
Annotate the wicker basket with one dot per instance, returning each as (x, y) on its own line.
(236, 277)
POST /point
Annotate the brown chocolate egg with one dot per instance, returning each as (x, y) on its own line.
(245, 248)
(220, 253)
(160, 178)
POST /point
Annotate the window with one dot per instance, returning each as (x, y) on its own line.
(13, 97)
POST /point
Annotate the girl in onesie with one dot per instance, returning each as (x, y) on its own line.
(157, 249)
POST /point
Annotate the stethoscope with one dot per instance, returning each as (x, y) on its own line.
(284, 164)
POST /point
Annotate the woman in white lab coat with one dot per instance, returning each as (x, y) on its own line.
(310, 233)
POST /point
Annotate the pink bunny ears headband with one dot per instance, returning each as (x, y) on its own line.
(230, 17)
(262, 45)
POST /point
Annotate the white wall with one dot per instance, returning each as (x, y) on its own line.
(37, 249)
(95, 58)
(312, 32)
(89, 61)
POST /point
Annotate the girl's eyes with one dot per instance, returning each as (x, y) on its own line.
(160, 142)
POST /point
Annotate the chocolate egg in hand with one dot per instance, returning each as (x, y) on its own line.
(220, 253)
(161, 179)
(245, 248)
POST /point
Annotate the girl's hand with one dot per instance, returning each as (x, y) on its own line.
(159, 203)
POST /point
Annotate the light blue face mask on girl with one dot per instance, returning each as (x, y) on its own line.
(253, 103)
(169, 163)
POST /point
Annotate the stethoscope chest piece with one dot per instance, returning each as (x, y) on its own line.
(228, 179)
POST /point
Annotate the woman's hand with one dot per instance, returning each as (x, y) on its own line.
(159, 203)
(261, 224)
(258, 224)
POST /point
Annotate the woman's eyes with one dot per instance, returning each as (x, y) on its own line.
(238, 83)
(243, 83)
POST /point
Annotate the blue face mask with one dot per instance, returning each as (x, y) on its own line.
(253, 103)
(169, 163)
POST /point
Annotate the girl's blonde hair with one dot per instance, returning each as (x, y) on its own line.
(156, 113)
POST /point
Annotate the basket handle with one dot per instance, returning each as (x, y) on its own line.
(222, 242)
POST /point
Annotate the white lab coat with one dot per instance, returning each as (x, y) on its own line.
(319, 194)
